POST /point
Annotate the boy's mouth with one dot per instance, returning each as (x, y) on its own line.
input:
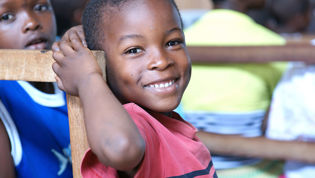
(38, 43)
(165, 87)
(161, 84)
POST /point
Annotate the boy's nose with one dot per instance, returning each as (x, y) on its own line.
(159, 60)
(31, 23)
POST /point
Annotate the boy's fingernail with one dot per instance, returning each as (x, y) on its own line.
(56, 48)
(84, 43)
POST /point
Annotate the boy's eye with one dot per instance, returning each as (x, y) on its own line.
(6, 17)
(174, 43)
(41, 7)
(133, 51)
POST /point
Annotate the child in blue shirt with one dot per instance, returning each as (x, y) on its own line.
(34, 133)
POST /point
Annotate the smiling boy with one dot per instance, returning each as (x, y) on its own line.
(130, 125)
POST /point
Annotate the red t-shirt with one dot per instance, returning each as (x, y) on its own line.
(172, 149)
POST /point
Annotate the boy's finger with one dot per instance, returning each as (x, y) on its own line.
(55, 68)
(81, 35)
(84, 43)
(66, 48)
(58, 56)
(55, 47)
(59, 83)
(78, 28)
(65, 36)
(75, 41)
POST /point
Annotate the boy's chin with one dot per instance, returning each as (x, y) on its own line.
(164, 108)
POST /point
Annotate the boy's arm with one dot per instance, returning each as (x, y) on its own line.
(258, 147)
(111, 133)
(7, 168)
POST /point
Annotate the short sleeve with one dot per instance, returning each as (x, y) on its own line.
(91, 167)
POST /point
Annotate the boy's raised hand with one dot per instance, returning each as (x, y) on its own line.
(75, 63)
(79, 30)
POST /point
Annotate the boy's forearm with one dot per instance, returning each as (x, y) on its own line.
(259, 147)
(112, 134)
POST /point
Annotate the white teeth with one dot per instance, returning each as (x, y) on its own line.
(162, 85)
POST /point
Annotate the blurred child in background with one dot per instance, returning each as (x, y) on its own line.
(34, 126)
(229, 102)
(292, 115)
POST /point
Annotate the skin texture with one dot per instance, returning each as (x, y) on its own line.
(144, 46)
(24, 24)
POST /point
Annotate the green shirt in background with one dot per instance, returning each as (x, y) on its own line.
(231, 87)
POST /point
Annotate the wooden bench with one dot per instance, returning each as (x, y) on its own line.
(258, 54)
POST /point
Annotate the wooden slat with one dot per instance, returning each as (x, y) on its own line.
(78, 139)
(32, 65)
(260, 54)
(299, 39)
(26, 65)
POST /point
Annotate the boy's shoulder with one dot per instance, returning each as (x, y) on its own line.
(138, 114)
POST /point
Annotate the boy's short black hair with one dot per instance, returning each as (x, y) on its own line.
(93, 14)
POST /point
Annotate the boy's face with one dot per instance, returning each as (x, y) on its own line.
(26, 24)
(147, 60)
